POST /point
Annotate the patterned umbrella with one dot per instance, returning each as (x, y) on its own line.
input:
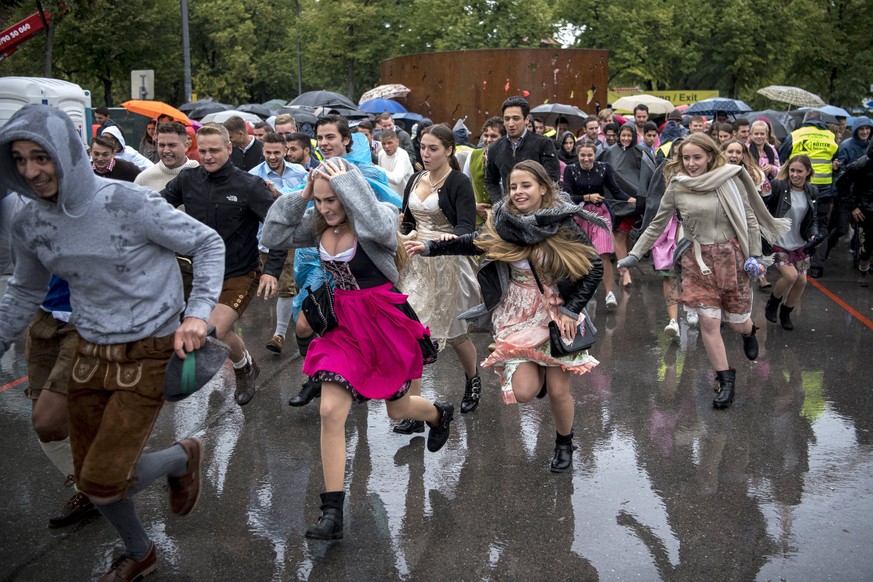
(792, 96)
(712, 106)
(385, 92)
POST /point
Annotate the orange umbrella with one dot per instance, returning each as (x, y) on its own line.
(155, 109)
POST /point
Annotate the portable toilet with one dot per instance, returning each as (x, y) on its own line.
(16, 92)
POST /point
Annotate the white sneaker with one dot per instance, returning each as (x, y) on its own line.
(672, 329)
(692, 318)
(611, 303)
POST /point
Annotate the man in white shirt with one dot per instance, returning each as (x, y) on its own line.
(395, 161)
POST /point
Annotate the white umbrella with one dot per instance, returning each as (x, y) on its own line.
(223, 116)
(656, 105)
(385, 92)
(792, 95)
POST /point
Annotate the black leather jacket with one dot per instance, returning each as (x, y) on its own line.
(779, 203)
(493, 276)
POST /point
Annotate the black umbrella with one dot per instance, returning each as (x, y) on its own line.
(207, 108)
(780, 122)
(300, 113)
(259, 110)
(323, 99)
(347, 112)
(551, 112)
(192, 105)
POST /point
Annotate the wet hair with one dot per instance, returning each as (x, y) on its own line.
(565, 255)
(704, 142)
(800, 159)
(540, 119)
(273, 137)
(235, 124)
(342, 126)
(285, 118)
(215, 129)
(173, 127)
(445, 136)
(387, 135)
(261, 125)
(106, 141)
(495, 123)
(516, 101)
(740, 122)
(300, 138)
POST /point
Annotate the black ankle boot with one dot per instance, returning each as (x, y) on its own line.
(409, 426)
(562, 460)
(311, 389)
(785, 317)
(330, 525)
(439, 434)
(724, 386)
(750, 343)
(472, 391)
(772, 307)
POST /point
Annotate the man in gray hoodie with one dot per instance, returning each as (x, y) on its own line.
(114, 243)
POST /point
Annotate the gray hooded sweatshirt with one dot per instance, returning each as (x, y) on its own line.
(114, 242)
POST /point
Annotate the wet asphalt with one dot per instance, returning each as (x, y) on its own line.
(663, 487)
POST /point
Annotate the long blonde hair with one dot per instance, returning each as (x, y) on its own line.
(704, 142)
(401, 257)
(565, 255)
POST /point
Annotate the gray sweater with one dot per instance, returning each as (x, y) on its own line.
(114, 242)
(290, 224)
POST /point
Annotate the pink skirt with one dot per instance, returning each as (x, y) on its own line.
(600, 237)
(375, 347)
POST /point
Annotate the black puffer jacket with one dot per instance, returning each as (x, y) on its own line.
(493, 276)
(232, 202)
(856, 183)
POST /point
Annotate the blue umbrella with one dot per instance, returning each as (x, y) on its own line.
(382, 106)
(408, 119)
(713, 105)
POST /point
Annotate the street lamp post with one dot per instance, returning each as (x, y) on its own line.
(299, 59)
(186, 52)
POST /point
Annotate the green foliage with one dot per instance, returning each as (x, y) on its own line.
(246, 51)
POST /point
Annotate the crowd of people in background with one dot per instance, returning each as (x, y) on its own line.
(430, 233)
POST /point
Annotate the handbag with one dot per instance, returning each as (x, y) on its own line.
(586, 334)
(319, 310)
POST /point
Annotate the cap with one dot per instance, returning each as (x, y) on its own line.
(185, 377)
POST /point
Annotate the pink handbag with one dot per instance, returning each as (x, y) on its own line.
(662, 250)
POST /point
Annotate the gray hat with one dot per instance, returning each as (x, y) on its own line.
(185, 377)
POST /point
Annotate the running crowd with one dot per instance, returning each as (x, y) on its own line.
(383, 248)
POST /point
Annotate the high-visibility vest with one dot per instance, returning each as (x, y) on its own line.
(820, 146)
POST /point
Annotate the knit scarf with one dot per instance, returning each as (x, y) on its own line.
(534, 227)
(720, 180)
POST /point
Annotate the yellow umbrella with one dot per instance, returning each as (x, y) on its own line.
(155, 109)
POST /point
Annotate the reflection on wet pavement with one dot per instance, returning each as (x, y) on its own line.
(779, 486)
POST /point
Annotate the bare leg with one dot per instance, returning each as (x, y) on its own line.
(466, 353)
(49, 416)
(607, 273)
(620, 253)
(336, 402)
(669, 299)
(560, 399)
(796, 290)
(786, 281)
(224, 318)
(414, 407)
(527, 381)
(710, 331)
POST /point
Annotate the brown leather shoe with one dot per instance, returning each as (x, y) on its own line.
(77, 508)
(126, 569)
(245, 382)
(185, 490)
(276, 344)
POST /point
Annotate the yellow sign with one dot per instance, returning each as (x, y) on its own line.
(676, 97)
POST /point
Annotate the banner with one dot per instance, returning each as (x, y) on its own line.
(676, 97)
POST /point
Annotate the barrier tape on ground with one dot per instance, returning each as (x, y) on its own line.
(13, 384)
(853, 312)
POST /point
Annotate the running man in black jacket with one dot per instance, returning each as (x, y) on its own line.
(232, 202)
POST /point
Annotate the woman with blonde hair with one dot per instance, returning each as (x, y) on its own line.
(375, 351)
(531, 238)
(723, 218)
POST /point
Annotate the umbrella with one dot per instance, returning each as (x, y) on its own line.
(205, 109)
(222, 116)
(274, 104)
(381, 105)
(780, 123)
(300, 113)
(792, 96)
(408, 119)
(192, 105)
(656, 105)
(347, 112)
(259, 110)
(712, 106)
(826, 114)
(550, 112)
(155, 109)
(385, 92)
(323, 99)
(835, 111)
